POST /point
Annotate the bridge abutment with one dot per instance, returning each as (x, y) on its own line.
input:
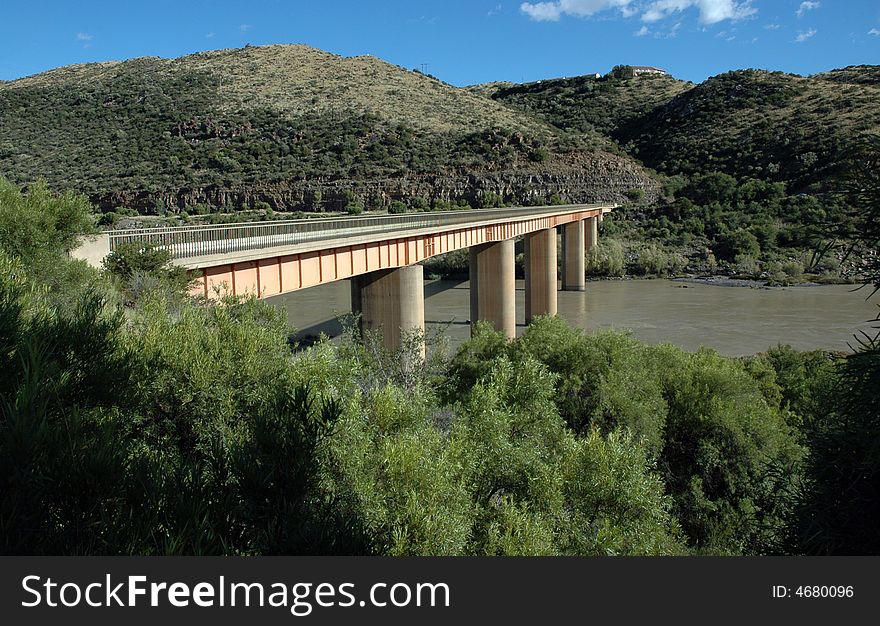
(540, 262)
(392, 302)
(573, 250)
(493, 286)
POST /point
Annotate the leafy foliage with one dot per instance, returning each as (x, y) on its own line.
(39, 223)
(187, 427)
(839, 502)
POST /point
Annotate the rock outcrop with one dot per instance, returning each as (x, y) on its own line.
(586, 178)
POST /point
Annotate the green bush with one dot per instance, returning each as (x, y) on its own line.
(397, 207)
(729, 458)
(40, 223)
(141, 268)
(635, 195)
(793, 268)
(419, 204)
(616, 501)
(838, 503)
(606, 258)
(489, 199)
(737, 243)
(745, 264)
(652, 260)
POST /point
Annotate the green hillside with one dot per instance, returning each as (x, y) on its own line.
(588, 104)
(291, 126)
(768, 125)
(748, 123)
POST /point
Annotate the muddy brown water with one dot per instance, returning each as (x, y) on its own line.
(735, 321)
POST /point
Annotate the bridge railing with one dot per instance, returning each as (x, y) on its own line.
(194, 241)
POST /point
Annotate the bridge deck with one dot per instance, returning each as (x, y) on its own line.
(197, 247)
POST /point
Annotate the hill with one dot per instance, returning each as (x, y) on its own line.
(588, 104)
(767, 125)
(756, 160)
(292, 127)
(749, 123)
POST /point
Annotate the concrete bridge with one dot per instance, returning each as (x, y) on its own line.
(380, 256)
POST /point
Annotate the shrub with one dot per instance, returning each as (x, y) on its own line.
(651, 260)
(616, 501)
(729, 457)
(793, 268)
(746, 264)
(40, 223)
(141, 268)
(397, 207)
(419, 204)
(740, 242)
(489, 199)
(839, 500)
(606, 258)
(635, 195)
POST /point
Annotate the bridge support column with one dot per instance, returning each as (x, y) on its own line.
(391, 301)
(592, 232)
(573, 249)
(493, 286)
(540, 261)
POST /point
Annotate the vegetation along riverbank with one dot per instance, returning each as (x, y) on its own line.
(139, 421)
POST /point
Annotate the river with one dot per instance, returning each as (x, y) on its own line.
(736, 321)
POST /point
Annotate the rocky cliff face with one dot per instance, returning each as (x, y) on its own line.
(580, 178)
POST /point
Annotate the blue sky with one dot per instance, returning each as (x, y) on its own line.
(460, 41)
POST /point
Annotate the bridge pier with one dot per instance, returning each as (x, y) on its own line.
(540, 261)
(493, 286)
(573, 250)
(391, 301)
(592, 232)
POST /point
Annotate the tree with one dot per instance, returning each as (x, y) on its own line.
(142, 267)
(39, 223)
(397, 207)
(839, 503)
(739, 243)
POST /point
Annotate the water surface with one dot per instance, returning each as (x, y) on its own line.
(735, 321)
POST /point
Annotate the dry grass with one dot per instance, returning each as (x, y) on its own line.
(298, 79)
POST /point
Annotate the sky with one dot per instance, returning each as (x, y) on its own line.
(462, 42)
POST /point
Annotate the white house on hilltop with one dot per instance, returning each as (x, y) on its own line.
(639, 70)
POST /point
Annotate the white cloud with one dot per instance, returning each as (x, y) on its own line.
(711, 11)
(495, 10)
(875, 32)
(672, 34)
(807, 6)
(641, 32)
(803, 35)
(209, 35)
(245, 27)
(541, 11)
(552, 11)
(773, 26)
(84, 37)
